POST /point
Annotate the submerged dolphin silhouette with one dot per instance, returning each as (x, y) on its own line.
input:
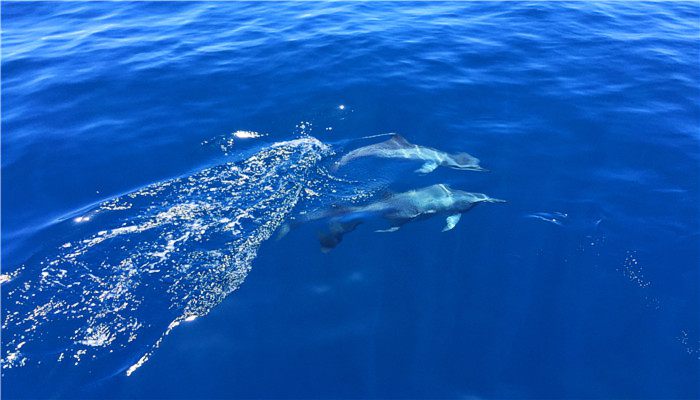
(398, 147)
(399, 209)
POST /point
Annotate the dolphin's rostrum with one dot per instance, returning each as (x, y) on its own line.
(398, 147)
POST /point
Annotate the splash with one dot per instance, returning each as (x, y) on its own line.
(634, 271)
(247, 134)
(172, 252)
(692, 347)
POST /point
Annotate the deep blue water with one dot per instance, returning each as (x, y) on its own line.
(128, 204)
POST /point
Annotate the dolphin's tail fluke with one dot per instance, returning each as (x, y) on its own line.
(299, 220)
(336, 229)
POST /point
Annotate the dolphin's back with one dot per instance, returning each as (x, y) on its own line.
(400, 208)
(383, 149)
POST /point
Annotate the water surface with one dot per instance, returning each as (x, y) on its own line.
(585, 284)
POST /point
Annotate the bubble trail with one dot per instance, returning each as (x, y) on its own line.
(170, 253)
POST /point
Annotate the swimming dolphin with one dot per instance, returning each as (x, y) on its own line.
(399, 209)
(398, 147)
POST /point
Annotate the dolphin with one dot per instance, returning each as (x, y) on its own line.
(398, 147)
(399, 209)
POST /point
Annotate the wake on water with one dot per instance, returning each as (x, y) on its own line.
(145, 262)
(172, 252)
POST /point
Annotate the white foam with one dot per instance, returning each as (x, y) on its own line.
(170, 256)
(247, 134)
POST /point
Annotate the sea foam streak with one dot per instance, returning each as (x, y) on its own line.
(172, 252)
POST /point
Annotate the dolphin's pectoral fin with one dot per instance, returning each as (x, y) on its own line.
(388, 230)
(427, 167)
(396, 224)
(451, 222)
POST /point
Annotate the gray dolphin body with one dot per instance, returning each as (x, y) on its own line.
(401, 208)
(398, 147)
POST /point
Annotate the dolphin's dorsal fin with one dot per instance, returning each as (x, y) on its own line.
(400, 140)
(451, 222)
(445, 187)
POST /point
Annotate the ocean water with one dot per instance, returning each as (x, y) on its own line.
(155, 154)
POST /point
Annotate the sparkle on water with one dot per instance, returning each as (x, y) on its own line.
(178, 249)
